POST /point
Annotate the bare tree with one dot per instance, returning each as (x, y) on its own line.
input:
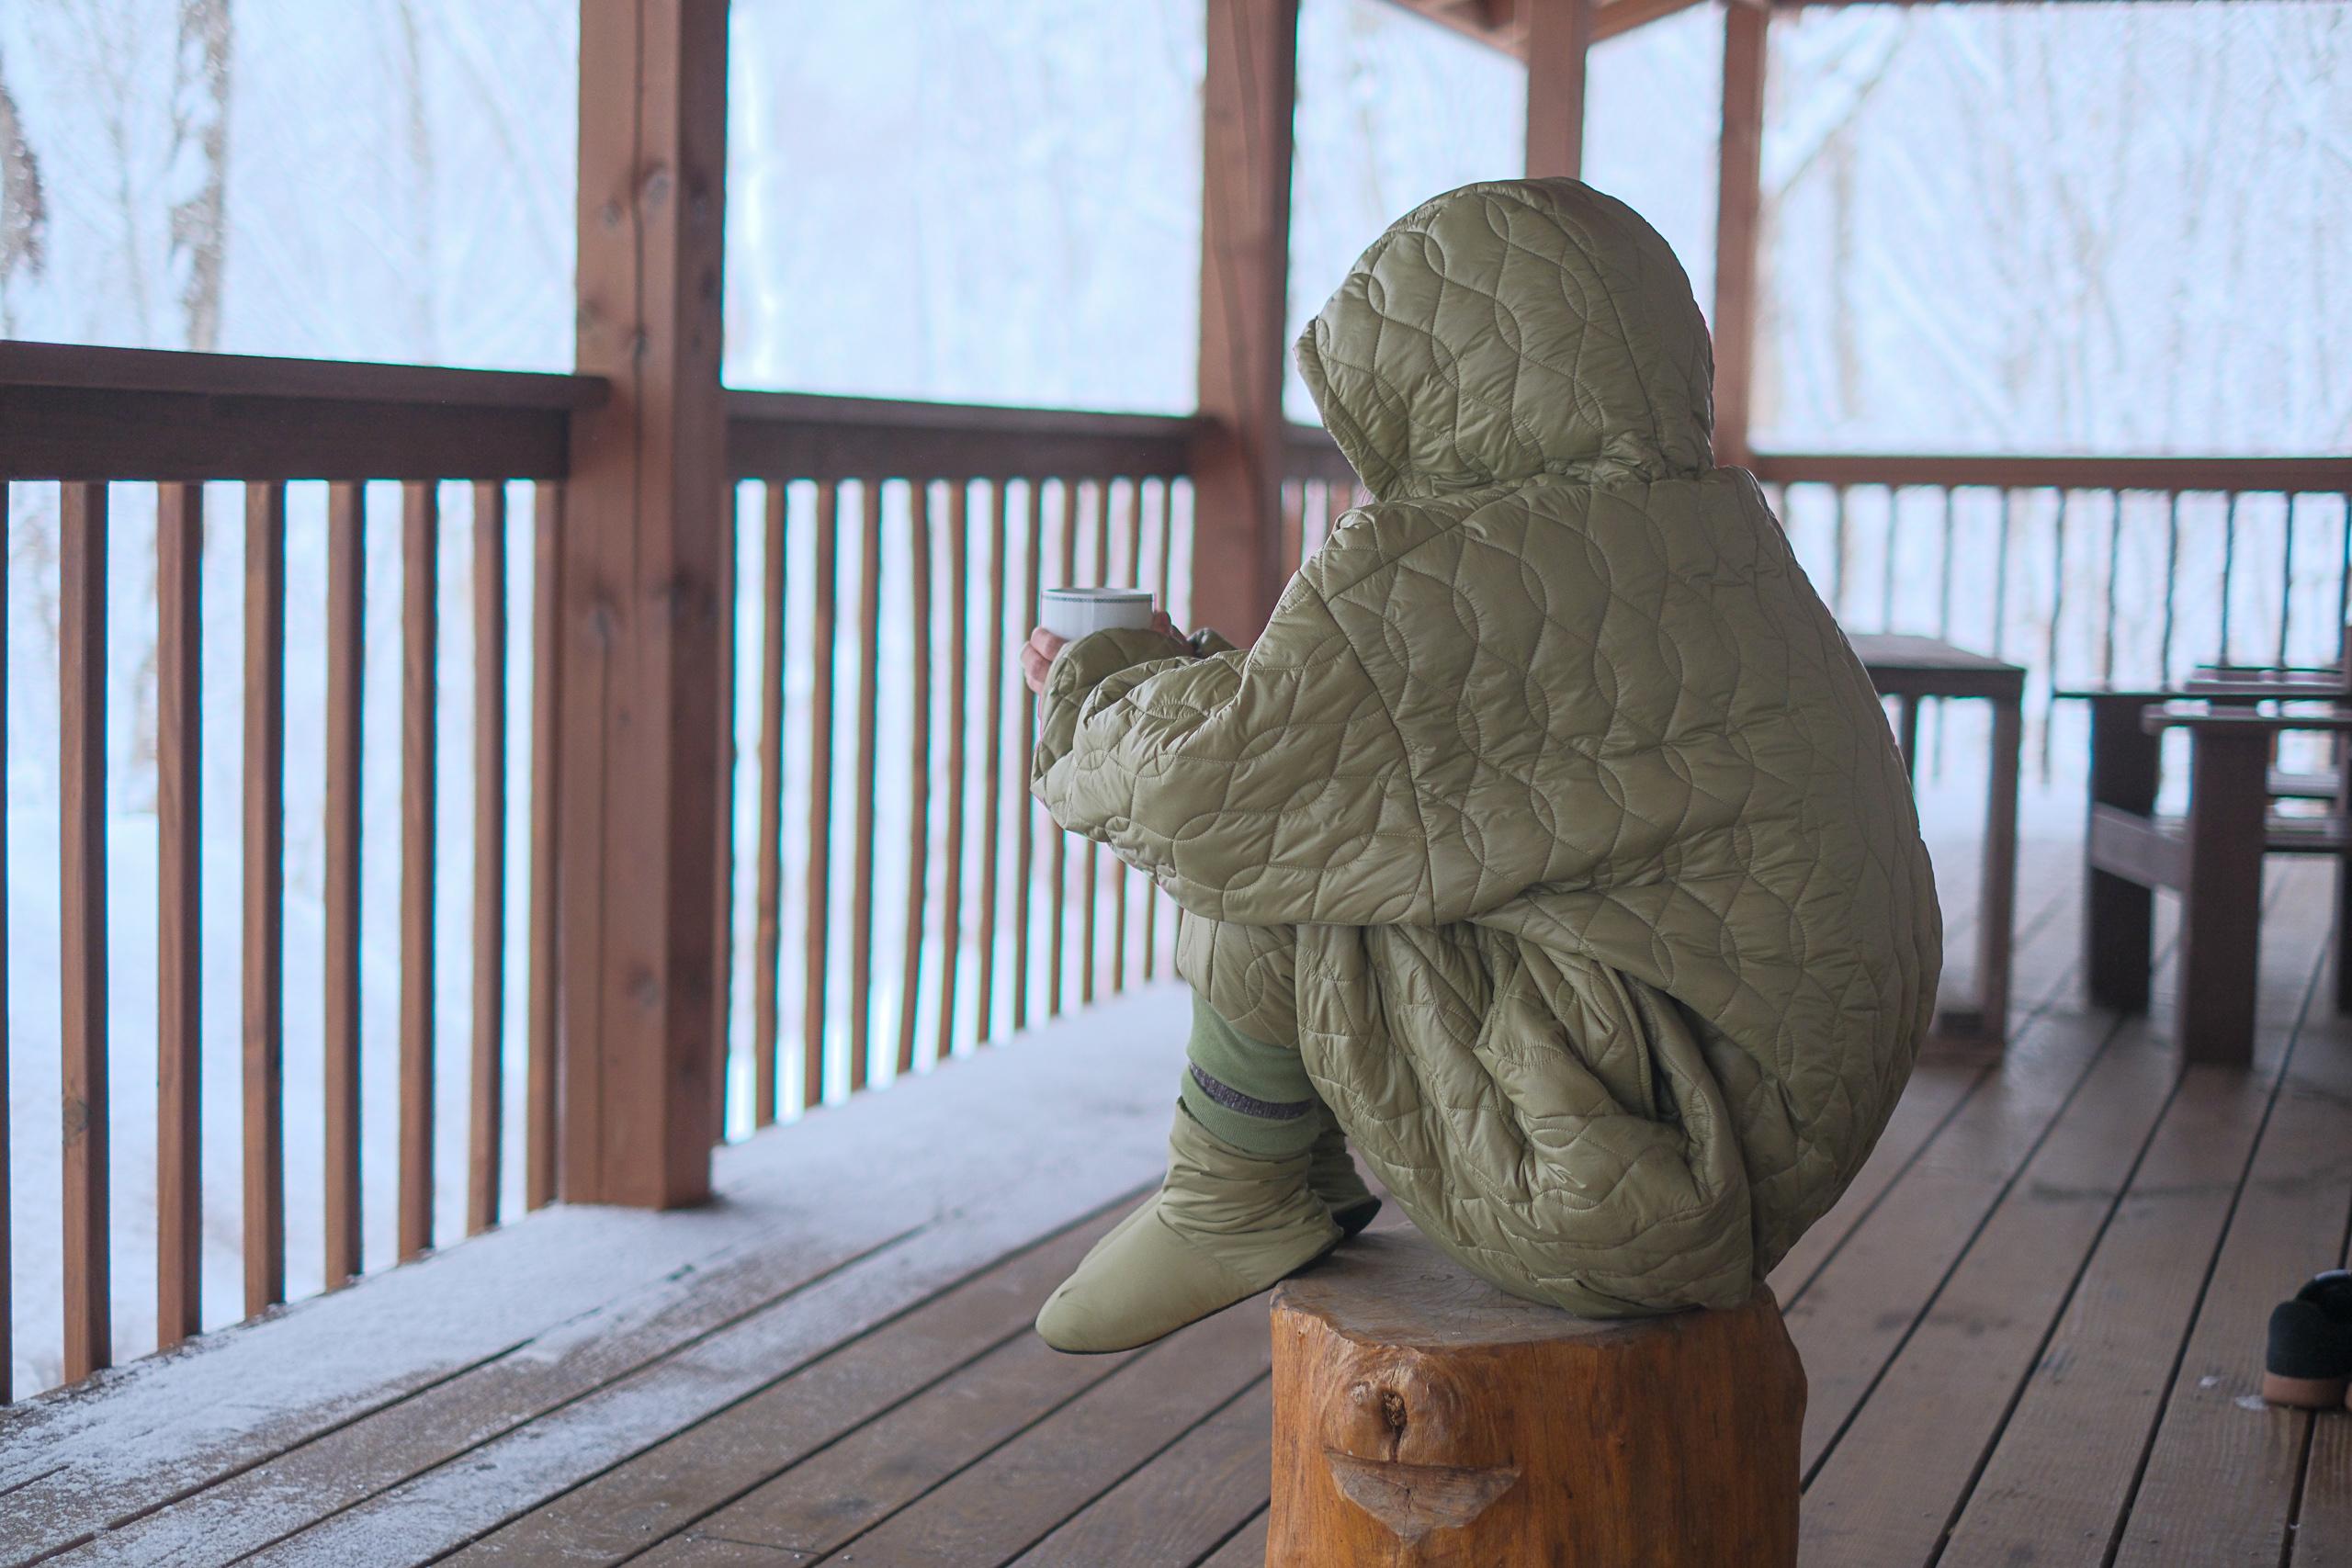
(201, 119)
(24, 211)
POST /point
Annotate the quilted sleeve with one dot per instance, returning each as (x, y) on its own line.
(1269, 787)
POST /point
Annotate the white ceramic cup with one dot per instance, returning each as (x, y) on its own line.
(1072, 613)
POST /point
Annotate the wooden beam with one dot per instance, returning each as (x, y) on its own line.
(1738, 217)
(1248, 100)
(1558, 34)
(647, 510)
(1615, 16)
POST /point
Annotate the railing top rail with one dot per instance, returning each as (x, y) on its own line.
(75, 412)
(87, 368)
(810, 435)
(2002, 471)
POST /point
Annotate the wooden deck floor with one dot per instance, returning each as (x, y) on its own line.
(2032, 1329)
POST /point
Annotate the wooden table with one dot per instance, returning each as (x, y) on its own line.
(1909, 668)
(2211, 859)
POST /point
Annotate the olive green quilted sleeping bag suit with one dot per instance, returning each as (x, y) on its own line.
(1552, 815)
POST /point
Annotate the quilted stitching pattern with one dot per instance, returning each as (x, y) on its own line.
(1552, 815)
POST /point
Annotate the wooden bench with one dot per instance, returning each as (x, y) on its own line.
(1422, 1416)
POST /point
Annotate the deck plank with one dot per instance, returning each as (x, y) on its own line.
(2109, 1364)
(2298, 1191)
(1885, 1492)
(1183, 1505)
(2324, 1526)
(1071, 1118)
(971, 1337)
(1863, 1304)
(1247, 1549)
(998, 1507)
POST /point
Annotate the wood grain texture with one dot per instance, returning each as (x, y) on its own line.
(180, 949)
(959, 651)
(420, 852)
(339, 1061)
(1000, 638)
(862, 784)
(768, 847)
(825, 638)
(646, 523)
(264, 898)
(83, 885)
(1739, 222)
(1558, 33)
(487, 1100)
(918, 779)
(1026, 809)
(1240, 460)
(1422, 1416)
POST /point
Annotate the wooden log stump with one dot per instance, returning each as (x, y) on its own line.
(1422, 1416)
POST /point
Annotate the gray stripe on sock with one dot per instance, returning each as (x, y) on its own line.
(1248, 1105)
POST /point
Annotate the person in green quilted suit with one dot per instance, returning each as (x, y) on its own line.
(1550, 841)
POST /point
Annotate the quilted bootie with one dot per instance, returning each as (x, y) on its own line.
(1225, 1225)
(1331, 1174)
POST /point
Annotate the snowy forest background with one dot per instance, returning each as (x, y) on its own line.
(2037, 228)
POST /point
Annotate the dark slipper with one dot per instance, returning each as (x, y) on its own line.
(2309, 1364)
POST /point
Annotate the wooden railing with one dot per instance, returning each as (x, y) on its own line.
(893, 897)
(957, 517)
(2084, 570)
(104, 432)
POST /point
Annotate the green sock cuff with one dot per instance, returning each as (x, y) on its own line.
(1252, 1094)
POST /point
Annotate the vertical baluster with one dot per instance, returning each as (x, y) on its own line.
(1089, 950)
(82, 724)
(419, 740)
(265, 896)
(8, 1240)
(767, 929)
(2172, 580)
(992, 762)
(2114, 571)
(959, 596)
(2286, 581)
(2057, 617)
(346, 661)
(1066, 565)
(180, 1053)
(2001, 575)
(2229, 570)
(861, 891)
(823, 638)
(918, 770)
(547, 695)
(1025, 812)
(1943, 617)
(722, 912)
(1131, 511)
(1151, 894)
(489, 1101)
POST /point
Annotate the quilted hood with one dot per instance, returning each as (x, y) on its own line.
(1507, 328)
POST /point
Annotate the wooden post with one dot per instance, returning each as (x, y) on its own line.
(1558, 34)
(1238, 461)
(1738, 217)
(645, 512)
(1421, 1416)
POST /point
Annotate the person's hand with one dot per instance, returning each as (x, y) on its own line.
(1037, 656)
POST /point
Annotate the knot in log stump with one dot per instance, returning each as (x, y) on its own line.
(1422, 1416)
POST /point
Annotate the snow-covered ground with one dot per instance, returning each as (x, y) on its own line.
(2029, 228)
